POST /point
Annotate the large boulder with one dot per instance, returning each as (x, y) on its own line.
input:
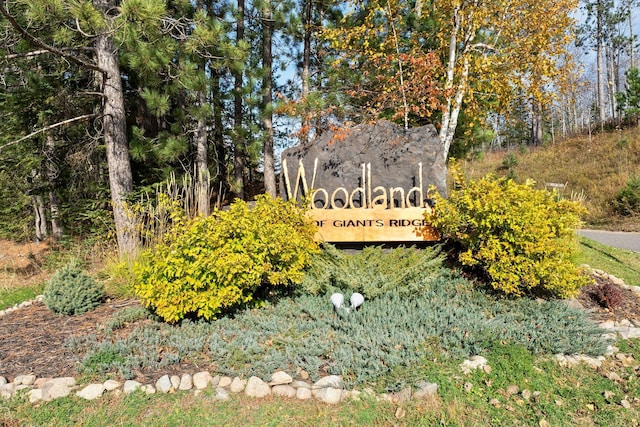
(395, 155)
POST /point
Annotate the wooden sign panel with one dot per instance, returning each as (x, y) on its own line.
(373, 225)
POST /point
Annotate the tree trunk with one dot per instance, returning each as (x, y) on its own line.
(202, 168)
(631, 35)
(238, 134)
(218, 134)
(306, 69)
(115, 137)
(40, 215)
(536, 124)
(600, 63)
(267, 110)
(57, 229)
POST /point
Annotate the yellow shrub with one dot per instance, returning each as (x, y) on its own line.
(521, 238)
(208, 264)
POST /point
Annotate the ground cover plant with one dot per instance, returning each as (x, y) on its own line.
(434, 312)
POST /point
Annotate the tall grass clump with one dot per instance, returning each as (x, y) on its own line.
(373, 271)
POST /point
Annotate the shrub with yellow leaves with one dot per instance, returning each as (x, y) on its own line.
(520, 238)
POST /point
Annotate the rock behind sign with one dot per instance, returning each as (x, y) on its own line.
(393, 153)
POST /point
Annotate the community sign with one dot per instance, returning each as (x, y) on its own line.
(369, 183)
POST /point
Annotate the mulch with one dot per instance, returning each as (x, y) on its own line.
(32, 339)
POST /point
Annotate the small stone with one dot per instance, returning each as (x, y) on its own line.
(625, 404)
(625, 323)
(494, 402)
(536, 394)
(280, 377)
(41, 381)
(401, 396)
(425, 389)
(334, 381)
(7, 390)
(110, 385)
(283, 390)
(257, 388)
(201, 380)
(608, 324)
(591, 407)
(175, 382)
(574, 303)
(526, 394)
(475, 362)
(512, 389)
(57, 387)
(164, 385)
(237, 385)
(400, 412)
(28, 379)
(611, 349)
(544, 423)
(3, 381)
(221, 394)
(215, 381)
(225, 381)
(468, 386)
(616, 280)
(303, 393)
(35, 395)
(130, 386)
(559, 402)
(91, 392)
(629, 333)
(593, 362)
(186, 382)
(487, 369)
(608, 394)
(18, 380)
(148, 388)
(329, 395)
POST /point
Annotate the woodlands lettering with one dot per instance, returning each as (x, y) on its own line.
(362, 197)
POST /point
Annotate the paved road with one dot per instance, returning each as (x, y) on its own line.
(617, 239)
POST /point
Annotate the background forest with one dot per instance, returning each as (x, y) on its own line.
(105, 103)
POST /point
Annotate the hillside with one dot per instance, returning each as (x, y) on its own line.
(592, 168)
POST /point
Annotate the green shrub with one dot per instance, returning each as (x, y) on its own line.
(72, 291)
(522, 239)
(208, 264)
(373, 271)
(627, 200)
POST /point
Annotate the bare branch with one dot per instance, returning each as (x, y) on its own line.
(43, 45)
(47, 128)
(25, 55)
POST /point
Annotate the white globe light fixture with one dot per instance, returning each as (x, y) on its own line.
(337, 300)
(356, 300)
